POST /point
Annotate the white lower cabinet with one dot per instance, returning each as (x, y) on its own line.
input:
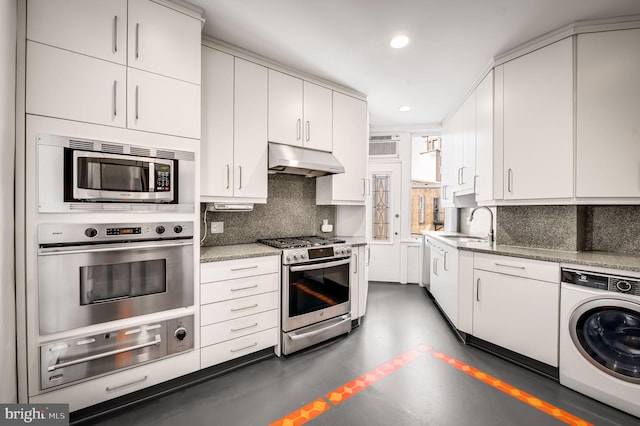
(516, 305)
(359, 285)
(444, 279)
(239, 308)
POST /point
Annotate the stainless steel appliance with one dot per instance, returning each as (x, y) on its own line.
(316, 281)
(94, 273)
(83, 174)
(68, 361)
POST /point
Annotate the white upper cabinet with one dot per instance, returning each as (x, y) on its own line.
(234, 151)
(608, 101)
(447, 162)
(94, 28)
(467, 158)
(538, 124)
(488, 182)
(299, 112)
(164, 41)
(350, 148)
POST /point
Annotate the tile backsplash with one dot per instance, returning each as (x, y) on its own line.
(290, 211)
(572, 228)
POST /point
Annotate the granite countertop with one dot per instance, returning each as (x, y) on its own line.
(620, 261)
(355, 241)
(236, 251)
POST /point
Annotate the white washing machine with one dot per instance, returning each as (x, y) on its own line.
(600, 337)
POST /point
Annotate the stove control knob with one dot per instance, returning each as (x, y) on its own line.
(91, 232)
(296, 256)
(303, 256)
(180, 333)
(160, 229)
(623, 286)
(348, 250)
(289, 258)
(177, 229)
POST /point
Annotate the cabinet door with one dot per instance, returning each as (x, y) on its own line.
(216, 152)
(350, 148)
(285, 109)
(164, 41)
(518, 314)
(250, 130)
(608, 92)
(67, 85)
(467, 162)
(538, 123)
(449, 169)
(317, 117)
(92, 27)
(162, 105)
(488, 155)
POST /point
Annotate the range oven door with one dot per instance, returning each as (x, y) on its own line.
(315, 292)
(85, 285)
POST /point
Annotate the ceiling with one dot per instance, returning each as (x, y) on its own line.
(347, 41)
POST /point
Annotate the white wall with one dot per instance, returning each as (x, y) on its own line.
(8, 19)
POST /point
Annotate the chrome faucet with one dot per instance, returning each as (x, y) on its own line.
(491, 233)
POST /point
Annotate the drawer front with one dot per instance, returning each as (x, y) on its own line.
(519, 267)
(219, 291)
(237, 308)
(217, 354)
(223, 331)
(231, 269)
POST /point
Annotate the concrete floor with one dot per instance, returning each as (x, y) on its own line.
(423, 391)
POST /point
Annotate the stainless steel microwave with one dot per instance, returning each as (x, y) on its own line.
(77, 174)
(99, 176)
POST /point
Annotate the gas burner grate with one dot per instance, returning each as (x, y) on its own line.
(299, 242)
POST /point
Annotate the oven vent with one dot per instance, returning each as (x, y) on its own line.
(84, 145)
(384, 146)
(140, 152)
(85, 207)
(114, 149)
(169, 155)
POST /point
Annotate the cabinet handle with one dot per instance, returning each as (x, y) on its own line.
(445, 261)
(444, 192)
(137, 40)
(135, 382)
(137, 103)
(298, 128)
(239, 177)
(308, 130)
(244, 308)
(244, 268)
(228, 177)
(355, 270)
(510, 266)
(245, 288)
(233, 330)
(478, 290)
(115, 98)
(475, 185)
(243, 348)
(115, 34)
(509, 179)
(435, 267)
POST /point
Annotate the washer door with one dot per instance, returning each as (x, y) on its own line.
(607, 333)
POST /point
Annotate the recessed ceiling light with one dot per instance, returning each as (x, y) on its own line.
(404, 108)
(399, 41)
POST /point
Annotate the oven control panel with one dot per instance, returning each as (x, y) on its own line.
(69, 233)
(311, 254)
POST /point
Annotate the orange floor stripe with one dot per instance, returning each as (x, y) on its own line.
(345, 392)
(304, 414)
(531, 400)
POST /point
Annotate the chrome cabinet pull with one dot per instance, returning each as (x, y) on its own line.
(239, 177)
(364, 187)
(228, 177)
(478, 290)
(137, 103)
(510, 266)
(115, 388)
(244, 268)
(356, 263)
(308, 130)
(115, 34)
(55, 367)
(509, 179)
(246, 347)
(298, 128)
(244, 308)
(445, 261)
(255, 324)
(245, 288)
(137, 40)
(115, 98)
(475, 185)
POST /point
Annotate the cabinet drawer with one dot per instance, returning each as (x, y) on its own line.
(241, 287)
(230, 269)
(216, 354)
(519, 267)
(223, 331)
(237, 308)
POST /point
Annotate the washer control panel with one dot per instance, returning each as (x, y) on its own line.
(610, 283)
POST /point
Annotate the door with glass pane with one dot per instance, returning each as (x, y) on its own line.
(385, 214)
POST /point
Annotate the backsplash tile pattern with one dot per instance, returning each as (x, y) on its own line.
(572, 228)
(290, 211)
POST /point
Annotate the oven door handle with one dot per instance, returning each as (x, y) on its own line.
(343, 319)
(54, 367)
(51, 251)
(319, 265)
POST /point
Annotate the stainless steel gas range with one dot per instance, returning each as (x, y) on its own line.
(316, 280)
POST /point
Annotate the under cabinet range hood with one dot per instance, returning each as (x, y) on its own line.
(295, 160)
